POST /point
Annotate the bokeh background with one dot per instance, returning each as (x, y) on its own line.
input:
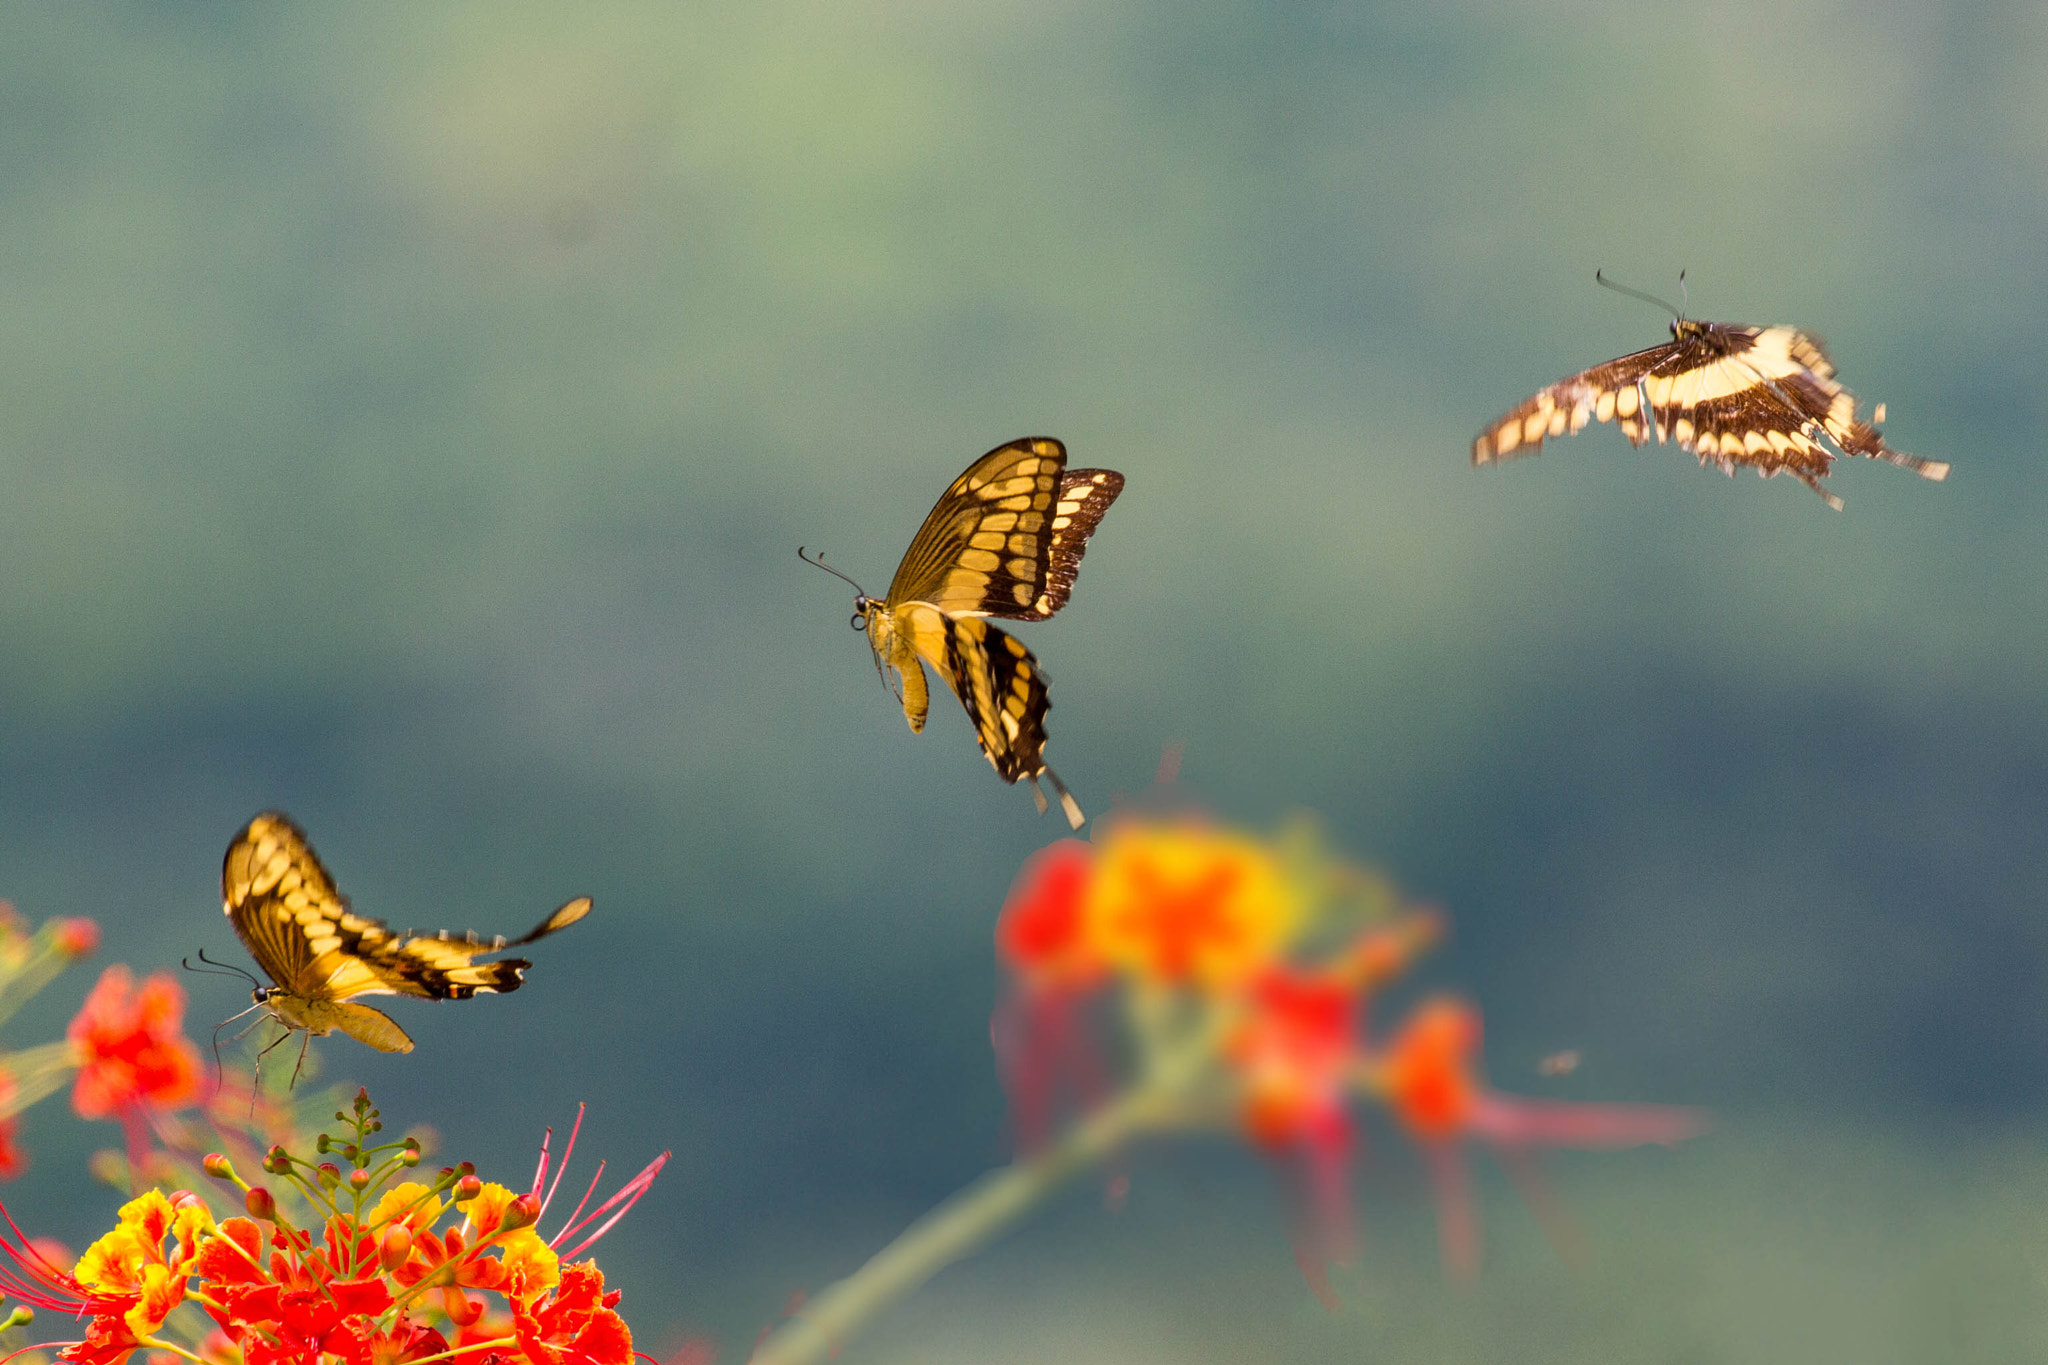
(409, 416)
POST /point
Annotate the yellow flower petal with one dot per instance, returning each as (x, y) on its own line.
(413, 1203)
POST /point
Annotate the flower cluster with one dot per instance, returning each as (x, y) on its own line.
(31, 959)
(369, 1277)
(1242, 971)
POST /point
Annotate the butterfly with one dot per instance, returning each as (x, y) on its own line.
(320, 955)
(1004, 540)
(1764, 397)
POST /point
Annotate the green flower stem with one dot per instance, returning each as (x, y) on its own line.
(979, 1213)
(44, 964)
(38, 1072)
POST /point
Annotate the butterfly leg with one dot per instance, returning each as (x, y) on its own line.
(302, 1060)
(256, 1081)
(219, 1073)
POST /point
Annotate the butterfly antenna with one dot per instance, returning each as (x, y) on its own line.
(1684, 294)
(1600, 278)
(819, 563)
(220, 969)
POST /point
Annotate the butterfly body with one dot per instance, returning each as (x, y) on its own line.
(1004, 540)
(1762, 397)
(320, 955)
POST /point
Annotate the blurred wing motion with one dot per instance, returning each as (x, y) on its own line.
(1005, 540)
(320, 955)
(1764, 397)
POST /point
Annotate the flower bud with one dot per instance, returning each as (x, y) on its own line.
(395, 1249)
(77, 937)
(22, 1316)
(409, 1155)
(328, 1174)
(522, 1212)
(185, 1199)
(218, 1166)
(322, 1143)
(261, 1204)
(359, 1181)
(468, 1188)
(277, 1161)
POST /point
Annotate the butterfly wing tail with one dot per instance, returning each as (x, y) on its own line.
(1068, 805)
(568, 914)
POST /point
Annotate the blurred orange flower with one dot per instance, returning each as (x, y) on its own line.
(1429, 1075)
(132, 1053)
(1041, 932)
(1040, 1034)
(13, 1160)
(1177, 904)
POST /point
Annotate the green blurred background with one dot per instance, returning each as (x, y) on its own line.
(409, 416)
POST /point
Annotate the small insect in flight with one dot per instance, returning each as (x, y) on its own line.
(1004, 540)
(320, 955)
(1764, 397)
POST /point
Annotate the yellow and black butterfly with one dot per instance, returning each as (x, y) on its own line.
(1004, 540)
(1764, 397)
(320, 955)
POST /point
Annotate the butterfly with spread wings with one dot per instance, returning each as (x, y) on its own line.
(1764, 397)
(320, 955)
(1004, 540)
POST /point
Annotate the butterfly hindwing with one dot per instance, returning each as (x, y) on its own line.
(1085, 494)
(1761, 397)
(1004, 693)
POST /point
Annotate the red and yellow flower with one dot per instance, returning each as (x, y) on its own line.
(370, 1281)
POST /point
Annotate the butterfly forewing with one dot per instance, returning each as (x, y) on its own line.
(1761, 397)
(1602, 394)
(984, 547)
(279, 899)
